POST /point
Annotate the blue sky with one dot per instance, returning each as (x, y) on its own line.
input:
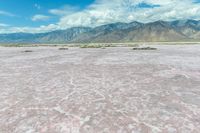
(47, 15)
(23, 10)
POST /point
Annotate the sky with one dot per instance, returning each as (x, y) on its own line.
(35, 16)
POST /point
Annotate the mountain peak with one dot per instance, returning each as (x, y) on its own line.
(115, 32)
(182, 23)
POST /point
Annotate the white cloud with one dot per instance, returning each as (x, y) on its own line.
(4, 13)
(65, 10)
(40, 29)
(110, 11)
(40, 17)
(3, 25)
(104, 11)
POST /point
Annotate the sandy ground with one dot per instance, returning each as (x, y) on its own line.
(113, 90)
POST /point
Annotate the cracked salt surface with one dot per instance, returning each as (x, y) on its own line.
(113, 90)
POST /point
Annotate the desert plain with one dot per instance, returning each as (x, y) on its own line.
(95, 90)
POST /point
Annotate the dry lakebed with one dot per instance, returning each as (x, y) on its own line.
(95, 90)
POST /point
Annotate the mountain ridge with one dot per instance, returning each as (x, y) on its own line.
(158, 31)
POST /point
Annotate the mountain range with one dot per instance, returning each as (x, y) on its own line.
(158, 31)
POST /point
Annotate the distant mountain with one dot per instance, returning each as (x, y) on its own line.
(18, 38)
(108, 33)
(155, 31)
(62, 36)
(190, 28)
(59, 36)
(179, 30)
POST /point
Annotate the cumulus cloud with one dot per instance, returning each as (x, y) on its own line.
(110, 11)
(40, 17)
(104, 11)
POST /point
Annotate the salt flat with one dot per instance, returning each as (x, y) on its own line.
(112, 90)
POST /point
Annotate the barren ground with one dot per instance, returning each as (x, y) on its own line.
(113, 90)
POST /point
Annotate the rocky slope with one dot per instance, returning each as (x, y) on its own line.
(179, 30)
